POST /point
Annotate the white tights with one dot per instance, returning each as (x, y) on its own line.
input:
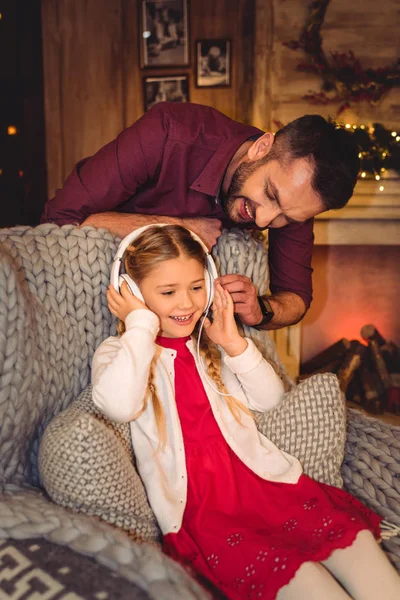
(361, 571)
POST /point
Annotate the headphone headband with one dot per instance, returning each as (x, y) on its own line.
(131, 237)
(211, 269)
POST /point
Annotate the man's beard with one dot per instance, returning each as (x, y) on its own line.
(239, 178)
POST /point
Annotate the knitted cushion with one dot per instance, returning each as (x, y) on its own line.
(310, 424)
(87, 464)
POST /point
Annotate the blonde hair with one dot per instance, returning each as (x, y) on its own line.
(212, 357)
(154, 246)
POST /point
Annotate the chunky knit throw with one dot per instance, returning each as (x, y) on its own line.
(53, 314)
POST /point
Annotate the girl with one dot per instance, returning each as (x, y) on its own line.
(229, 503)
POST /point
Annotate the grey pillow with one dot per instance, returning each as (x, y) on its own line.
(310, 424)
(86, 464)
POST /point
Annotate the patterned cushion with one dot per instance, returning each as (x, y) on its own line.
(86, 464)
(311, 425)
(37, 568)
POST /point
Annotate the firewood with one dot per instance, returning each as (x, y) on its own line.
(330, 367)
(393, 394)
(379, 363)
(350, 364)
(391, 356)
(370, 332)
(373, 392)
(327, 356)
(355, 391)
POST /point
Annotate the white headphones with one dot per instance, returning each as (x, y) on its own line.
(210, 271)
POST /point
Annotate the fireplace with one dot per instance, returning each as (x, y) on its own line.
(356, 281)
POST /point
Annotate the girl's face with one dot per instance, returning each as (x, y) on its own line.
(176, 291)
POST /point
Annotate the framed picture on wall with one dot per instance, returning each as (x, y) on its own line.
(213, 63)
(164, 33)
(172, 88)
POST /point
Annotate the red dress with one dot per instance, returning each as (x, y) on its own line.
(245, 535)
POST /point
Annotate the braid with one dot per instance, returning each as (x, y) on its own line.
(157, 406)
(152, 390)
(212, 357)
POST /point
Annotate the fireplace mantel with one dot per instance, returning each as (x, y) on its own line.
(371, 217)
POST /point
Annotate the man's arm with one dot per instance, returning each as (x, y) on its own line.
(288, 309)
(289, 257)
(112, 175)
(122, 224)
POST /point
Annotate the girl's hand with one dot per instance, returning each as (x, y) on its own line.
(121, 304)
(223, 329)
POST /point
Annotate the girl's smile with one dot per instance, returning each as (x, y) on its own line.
(175, 290)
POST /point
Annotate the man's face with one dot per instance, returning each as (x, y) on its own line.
(272, 193)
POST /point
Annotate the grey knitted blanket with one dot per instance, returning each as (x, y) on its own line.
(53, 314)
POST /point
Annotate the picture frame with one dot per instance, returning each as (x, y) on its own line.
(165, 88)
(164, 33)
(213, 62)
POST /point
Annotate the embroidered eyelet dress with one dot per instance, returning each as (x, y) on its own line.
(245, 535)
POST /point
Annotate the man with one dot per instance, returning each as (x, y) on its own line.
(190, 164)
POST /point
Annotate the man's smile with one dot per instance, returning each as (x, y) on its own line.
(245, 210)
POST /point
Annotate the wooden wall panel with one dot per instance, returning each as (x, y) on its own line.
(132, 75)
(234, 20)
(262, 62)
(369, 28)
(91, 67)
(83, 80)
(52, 94)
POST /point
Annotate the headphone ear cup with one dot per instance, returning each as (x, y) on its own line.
(134, 288)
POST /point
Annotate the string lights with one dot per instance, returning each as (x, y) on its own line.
(379, 149)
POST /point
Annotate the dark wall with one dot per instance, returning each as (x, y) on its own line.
(22, 156)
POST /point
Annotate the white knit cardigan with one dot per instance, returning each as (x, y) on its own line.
(120, 373)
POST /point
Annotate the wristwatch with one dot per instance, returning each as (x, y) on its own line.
(266, 310)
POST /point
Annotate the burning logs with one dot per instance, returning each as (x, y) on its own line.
(369, 373)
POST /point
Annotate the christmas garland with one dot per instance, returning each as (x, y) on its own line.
(343, 77)
(379, 149)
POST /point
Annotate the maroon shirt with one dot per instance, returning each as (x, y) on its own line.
(171, 162)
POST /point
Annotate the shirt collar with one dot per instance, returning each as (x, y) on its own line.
(210, 179)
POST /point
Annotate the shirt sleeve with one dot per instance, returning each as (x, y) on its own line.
(290, 252)
(111, 176)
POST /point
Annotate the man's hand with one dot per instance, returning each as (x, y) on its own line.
(207, 229)
(244, 295)
(122, 224)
